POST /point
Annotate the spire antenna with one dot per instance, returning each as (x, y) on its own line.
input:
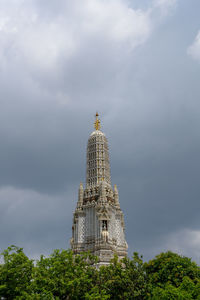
(97, 124)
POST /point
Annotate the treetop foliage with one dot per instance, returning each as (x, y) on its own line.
(65, 276)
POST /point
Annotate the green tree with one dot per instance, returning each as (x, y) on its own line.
(124, 280)
(15, 273)
(173, 276)
(97, 294)
(64, 276)
(186, 291)
(170, 292)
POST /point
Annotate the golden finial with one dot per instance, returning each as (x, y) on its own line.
(97, 125)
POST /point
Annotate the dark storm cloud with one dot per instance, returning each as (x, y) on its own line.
(35, 219)
(59, 64)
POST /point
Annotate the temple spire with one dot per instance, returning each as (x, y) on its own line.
(97, 124)
(98, 222)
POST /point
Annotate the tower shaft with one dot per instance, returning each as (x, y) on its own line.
(98, 166)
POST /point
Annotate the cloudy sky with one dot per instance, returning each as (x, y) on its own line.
(136, 62)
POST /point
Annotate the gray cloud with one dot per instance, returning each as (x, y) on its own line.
(59, 63)
(35, 219)
(194, 49)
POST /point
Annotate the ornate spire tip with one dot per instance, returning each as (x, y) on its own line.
(97, 124)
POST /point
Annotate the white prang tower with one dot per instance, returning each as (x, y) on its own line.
(98, 222)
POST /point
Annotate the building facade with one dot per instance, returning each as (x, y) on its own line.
(98, 222)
